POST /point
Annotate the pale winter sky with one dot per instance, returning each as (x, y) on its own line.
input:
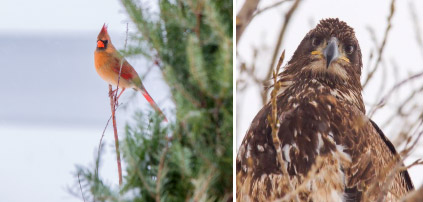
(402, 48)
(60, 16)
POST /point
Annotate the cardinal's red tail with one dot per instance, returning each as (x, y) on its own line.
(152, 103)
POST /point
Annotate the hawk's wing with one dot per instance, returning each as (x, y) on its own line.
(371, 163)
(404, 174)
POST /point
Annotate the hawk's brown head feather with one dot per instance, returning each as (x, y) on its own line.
(311, 57)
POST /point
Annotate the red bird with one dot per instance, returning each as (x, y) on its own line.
(108, 62)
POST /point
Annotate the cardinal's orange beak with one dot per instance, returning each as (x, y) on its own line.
(100, 44)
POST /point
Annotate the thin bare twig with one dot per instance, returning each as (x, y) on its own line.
(285, 24)
(101, 141)
(121, 65)
(80, 187)
(102, 134)
(382, 46)
(258, 12)
(244, 16)
(274, 124)
(415, 163)
(417, 28)
(383, 100)
(113, 104)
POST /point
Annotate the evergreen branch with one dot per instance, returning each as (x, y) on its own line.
(196, 65)
(213, 20)
(133, 163)
(159, 172)
(225, 42)
(199, 194)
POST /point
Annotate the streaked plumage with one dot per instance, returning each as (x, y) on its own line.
(331, 150)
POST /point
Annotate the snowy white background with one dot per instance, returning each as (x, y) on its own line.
(359, 14)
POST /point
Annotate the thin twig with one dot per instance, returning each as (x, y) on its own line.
(258, 12)
(382, 46)
(102, 134)
(121, 65)
(112, 105)
(287, 19)
(416, 26)
(383, 100)
(274, 124)
(80, 187)
(101, 140)
(244, 16)
(415, 163)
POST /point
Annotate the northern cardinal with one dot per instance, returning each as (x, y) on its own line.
(108, 62)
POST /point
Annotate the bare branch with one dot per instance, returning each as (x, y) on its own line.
(80, 187)
(113, 106)
(274, 5)
(417, 28)
(287, 19)
(245, 16)
(382, 46)
(274, 123)
(382, 102)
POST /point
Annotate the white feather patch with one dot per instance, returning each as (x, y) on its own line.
(286, 149)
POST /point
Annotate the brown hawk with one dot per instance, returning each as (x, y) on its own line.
(327, 146)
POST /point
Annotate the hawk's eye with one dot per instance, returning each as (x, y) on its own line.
(315, 41)
(349, 49)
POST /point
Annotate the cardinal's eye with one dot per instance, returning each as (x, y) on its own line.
(315, 41)
(349, 49)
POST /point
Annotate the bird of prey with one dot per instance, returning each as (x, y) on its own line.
(325, 148)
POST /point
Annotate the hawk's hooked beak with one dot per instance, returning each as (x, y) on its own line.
(331, 51)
